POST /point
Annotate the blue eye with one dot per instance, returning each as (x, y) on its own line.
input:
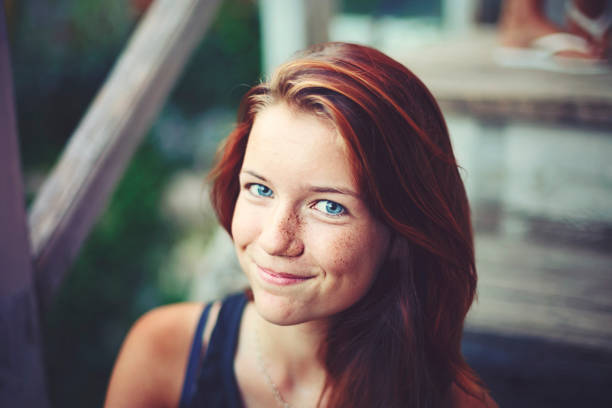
(259, 190)
(330, 207)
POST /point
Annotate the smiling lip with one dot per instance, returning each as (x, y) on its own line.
(280, 278)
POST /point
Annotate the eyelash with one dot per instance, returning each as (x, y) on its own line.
(256, 193)
(255, 190)
(340, 214)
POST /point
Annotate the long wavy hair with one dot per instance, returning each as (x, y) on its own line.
(399, 346)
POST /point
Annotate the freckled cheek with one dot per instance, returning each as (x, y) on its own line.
(345, 254)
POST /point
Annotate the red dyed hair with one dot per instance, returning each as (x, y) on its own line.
(399, 346)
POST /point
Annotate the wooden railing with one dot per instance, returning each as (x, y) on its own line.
(21, 371)
(81, 183)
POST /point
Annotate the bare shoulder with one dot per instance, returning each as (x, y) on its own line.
(462, 399)
(151, 364)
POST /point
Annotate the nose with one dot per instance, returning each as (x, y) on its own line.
(281, 232)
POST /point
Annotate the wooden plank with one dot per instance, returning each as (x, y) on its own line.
(101, 146)
(543, 291)
(22, 381)
(463, 76)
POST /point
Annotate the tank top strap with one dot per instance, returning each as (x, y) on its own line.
(216, 385)
(223, 342)
(195, 357)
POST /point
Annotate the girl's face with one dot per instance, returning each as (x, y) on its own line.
(304, 237)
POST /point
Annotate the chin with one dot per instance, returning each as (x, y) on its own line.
(279, 309)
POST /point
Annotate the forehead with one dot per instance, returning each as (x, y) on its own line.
(293, 140)
(283, 117)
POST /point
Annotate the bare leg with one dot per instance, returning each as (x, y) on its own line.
(522, 21)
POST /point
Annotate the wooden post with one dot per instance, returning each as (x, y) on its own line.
(288, 26)
(22, 381)
(103, 143)
(283, 31)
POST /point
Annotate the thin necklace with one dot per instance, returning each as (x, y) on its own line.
(262, 367)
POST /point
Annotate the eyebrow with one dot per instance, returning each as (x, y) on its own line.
(252, 173)
(315, 189)
(334, 190)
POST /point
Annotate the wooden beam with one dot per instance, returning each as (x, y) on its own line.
(103, 143)
(22, 381)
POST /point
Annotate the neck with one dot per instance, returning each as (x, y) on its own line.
(289, 355)
(295, 347)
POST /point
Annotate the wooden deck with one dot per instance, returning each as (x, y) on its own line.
(543, 291)
(462, 74)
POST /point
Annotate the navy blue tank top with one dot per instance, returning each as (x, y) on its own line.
(210, 380)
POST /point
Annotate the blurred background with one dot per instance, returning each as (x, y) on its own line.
(535, 149)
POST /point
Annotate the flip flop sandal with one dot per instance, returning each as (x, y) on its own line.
(542, 52)
(595, 27)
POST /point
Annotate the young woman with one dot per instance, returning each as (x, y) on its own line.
(341, 193)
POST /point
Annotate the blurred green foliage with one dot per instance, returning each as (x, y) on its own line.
(113, 281)
(62, 50)
(227, 60)
(431, 8)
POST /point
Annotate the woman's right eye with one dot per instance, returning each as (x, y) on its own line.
(259, 190)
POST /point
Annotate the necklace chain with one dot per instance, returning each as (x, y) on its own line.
(262, 367)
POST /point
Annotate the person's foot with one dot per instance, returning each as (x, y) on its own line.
(520, 26)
